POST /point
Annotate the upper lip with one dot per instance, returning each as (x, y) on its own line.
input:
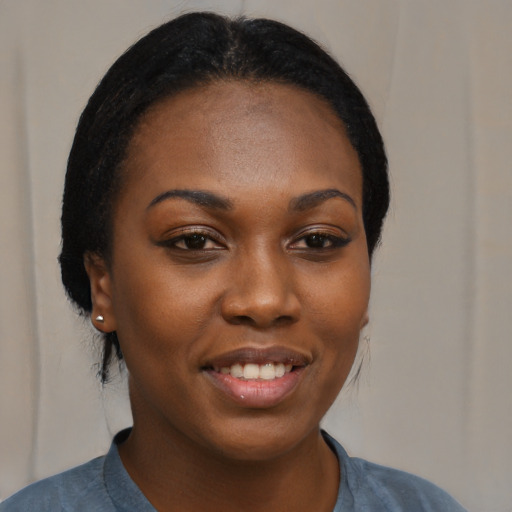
(244, 355)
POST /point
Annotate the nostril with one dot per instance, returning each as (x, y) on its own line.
(248, 320)
(284, 320)
(242, 320)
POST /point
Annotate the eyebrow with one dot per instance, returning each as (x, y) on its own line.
(199, 197)
(312, 199)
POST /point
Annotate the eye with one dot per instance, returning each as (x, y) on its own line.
(193, 241)
(318, 240)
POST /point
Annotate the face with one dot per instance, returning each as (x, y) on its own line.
(239, 277)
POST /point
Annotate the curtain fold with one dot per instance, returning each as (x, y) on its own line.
(18, 324)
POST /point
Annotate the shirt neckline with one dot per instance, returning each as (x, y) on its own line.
(126, 495)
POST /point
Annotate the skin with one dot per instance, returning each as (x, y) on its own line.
(270, 271)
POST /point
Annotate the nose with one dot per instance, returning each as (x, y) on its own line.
(261, 292)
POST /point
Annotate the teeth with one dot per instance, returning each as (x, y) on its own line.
(251, 371)
(279, 370)
(267, 371)
(237, 370)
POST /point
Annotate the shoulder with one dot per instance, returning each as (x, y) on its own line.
(397, 488)
(370, 486)
(80, 488)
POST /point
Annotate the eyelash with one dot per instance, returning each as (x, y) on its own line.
(335, 242)
(185, 236)
(203, 237)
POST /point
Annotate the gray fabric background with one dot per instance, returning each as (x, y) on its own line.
(436, 397)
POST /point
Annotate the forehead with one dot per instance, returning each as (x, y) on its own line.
(238, 100)
(243, 132)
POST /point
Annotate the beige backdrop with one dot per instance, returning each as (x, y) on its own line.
(436, 398)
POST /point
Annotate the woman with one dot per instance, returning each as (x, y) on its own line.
(225, 192)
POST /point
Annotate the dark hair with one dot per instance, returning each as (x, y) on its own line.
(192, 50)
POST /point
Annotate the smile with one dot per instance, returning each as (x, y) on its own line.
(253, 371)
(257, 378)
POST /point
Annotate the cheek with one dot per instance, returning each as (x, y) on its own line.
(340, 299)
(338, 312)
(161, 309)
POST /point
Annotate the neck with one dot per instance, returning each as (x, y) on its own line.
(176, 474)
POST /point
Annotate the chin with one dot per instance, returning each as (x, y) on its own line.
(260, 440)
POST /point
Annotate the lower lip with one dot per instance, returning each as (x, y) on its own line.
(259, 394)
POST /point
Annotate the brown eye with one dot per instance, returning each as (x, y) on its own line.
(317, 241)
(320, 241)
(194, 242)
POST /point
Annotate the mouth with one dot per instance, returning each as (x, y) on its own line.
(254, 371)
(257, 378)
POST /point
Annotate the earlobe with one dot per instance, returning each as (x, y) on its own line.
(102, 314)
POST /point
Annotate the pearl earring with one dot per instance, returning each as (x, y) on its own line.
(100, 319)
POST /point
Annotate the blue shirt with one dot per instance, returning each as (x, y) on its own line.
(103, 485)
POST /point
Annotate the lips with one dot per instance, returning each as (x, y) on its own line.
(257, 378)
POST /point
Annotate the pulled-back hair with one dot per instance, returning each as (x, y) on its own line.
(192, 50)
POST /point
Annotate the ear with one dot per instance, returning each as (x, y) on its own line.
(101, 293)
